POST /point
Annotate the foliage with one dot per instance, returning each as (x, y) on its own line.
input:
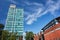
(29, 35)
(5, 35)
(8, 36)
(12, 36)
(1, 26)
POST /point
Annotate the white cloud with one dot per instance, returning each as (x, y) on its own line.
(13, 1)
(33, 3)
(51, 7)
(49, 2)
(30, 19)
(33, 17)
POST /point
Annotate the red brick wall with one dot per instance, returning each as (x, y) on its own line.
(52, 33)
(53, 36)
(52, 28)
(36, 37)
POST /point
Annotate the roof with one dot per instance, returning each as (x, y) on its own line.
(53, 22)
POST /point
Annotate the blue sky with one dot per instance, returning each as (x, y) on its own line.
(37, 13)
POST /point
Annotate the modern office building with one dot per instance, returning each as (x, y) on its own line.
(14, 21)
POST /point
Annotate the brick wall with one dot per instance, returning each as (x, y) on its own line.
(53, 33)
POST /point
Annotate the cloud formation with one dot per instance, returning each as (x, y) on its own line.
(34, 3)
(51, 6)
(13, 1)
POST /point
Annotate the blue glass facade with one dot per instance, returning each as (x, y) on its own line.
(14, 22)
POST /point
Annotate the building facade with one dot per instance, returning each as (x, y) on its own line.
(36, 37)
(14, 22)
(52, 30)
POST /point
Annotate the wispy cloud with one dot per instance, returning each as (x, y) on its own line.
(13, 1)
(51, 6)
(34, 3)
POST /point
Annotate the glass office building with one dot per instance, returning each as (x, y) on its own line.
(14, 22)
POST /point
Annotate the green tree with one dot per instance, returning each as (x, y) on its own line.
(1, 28)
(5, 35)
(13, 36)
(29, 35)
